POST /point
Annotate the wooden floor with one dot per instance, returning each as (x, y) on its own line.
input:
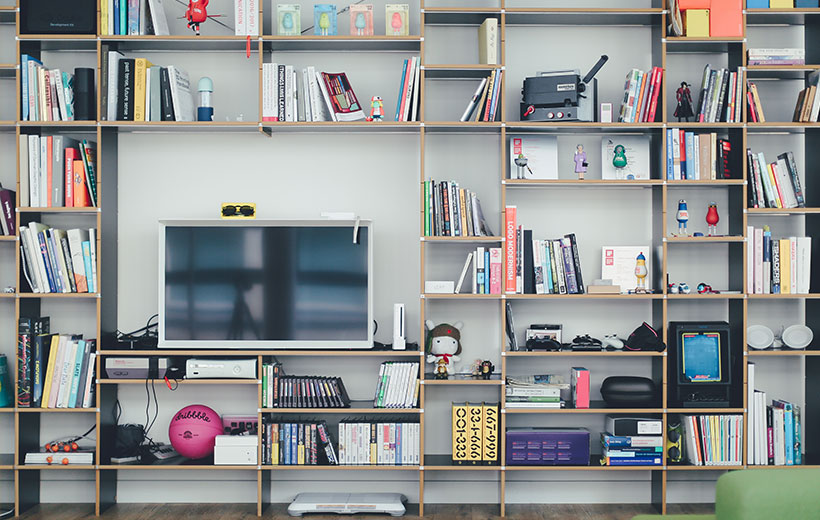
(278, 512)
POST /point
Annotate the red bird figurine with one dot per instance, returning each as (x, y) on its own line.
(196, 14)
(712, 218)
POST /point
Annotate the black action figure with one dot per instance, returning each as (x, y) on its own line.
(684, 98)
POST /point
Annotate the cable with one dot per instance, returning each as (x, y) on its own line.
(7, 513)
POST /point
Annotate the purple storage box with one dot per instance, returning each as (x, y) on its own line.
(547, 447)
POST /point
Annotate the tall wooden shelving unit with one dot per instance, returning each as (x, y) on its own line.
(27, 421)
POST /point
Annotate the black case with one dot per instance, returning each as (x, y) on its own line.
(629, 391)
(58, 17)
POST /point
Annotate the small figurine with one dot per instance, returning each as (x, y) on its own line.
(396, 23)
(712, 218)
(521, 163)
(361, 19)
(376, 109)
(640, 273)
(672, 288)
(205, 110)
(486, 369)
(324, 23)
(290, 19)
(704, 288)
(684, 97)
(287, 24)
(443, 346)
(324, 20)
(580, 161)
(682, 217)
(684, 288)
(619, 161)
(196, 14)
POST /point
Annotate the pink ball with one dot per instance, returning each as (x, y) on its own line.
(193, 431)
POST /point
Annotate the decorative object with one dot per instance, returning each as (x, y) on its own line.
(324, 20)
(205, 111)
(396, 18)
(376, 109)
(684, 98)
(629, 391)
(486, 369)
(625, 157)
(443, 346)
(196, 14)
(289, 18)
(712, 219)
(640, 273)
(797, 336)
(682, 216)
(193, 431)
(361, 19)
(684, 288)
(580, 161)
(673, 288)
(619, 161)
(704, 288)
(759, 337)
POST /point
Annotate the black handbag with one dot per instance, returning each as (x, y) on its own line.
(645, 338)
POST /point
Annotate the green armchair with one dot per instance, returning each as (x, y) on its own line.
(762, 494)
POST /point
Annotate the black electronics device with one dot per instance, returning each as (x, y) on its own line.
(85, 106)
(543, 343)
(585, 343)
(561, 95)
(58, 17)
(543, 336)
(629, 391)
(700, 369)
(674, 439)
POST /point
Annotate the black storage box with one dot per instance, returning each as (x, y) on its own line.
(629, 391)
(58, 16)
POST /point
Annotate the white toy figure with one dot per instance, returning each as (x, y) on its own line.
(640, 273)
(682, 217)
(443, 346)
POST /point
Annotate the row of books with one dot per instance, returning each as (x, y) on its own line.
(534, 266)
(777, 266)
(57, 171)
(397, 386)
(8, 212)
(776, 184)
(59, 261)
(450, 210)
(713, 440)
(323, 96)
(631, 450)
(721, 95)
(408, 100)
(53, 370)
(756, 114)
(774, 429)
(807, 108)
(538, 391)
(641, 92)
(304, 444)
(281, 391)
(693, 156)
(134, 89)
(786, 56)
(133, 18)
(475, 428)
(483, 106)
(366, 443)
(47, 94)
(486, 274)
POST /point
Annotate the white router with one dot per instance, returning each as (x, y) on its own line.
(348, 503)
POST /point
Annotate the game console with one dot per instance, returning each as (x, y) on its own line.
(631, 426)
(220, 368)
(348, 503)
(136, 367)
(399, 334)
(236, 450)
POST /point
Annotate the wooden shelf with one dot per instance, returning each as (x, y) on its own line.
(783, 352)
(57, 410)
(781, 296)
(695, 296)
(54, 467)
(8, 238)
(705, 183)
(576, 183)
(356, 407)
(344, 43)
(654, 296)
(569, 353)
(582, 16)
(57, 124)
(458, 15)
(594, 407)
(771, 212)
(348, 126)
(182, 126)
(57, 210)
(457, 71)
(445, 463)
(180, 467)
(594, 465)
(582, 126)
(275, 353)
(340, 468)
(462, 296)
(7, 410)
(460, 240)
(82, 296)
(683, 467)
(244, 382)
(707, 411)
(495, 380)
(705, 239)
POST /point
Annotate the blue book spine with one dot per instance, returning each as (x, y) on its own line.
(401, 89)
(75, 380)
(285, 431)
(116, 15)
(399, 443)
(639, 461)
(294, 444)
(52, 285)
(487, 272)
(24, 85)
(806, 3)
(123, 17)
(759, 4)
(670, 160)
(92, 284)
(690, 155)
(133, 17)
(788, 425)
(55, 262)
(545, 266)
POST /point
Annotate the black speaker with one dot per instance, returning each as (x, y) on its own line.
(85, 100)
(58, 16)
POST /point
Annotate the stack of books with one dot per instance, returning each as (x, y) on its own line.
(409, 97)
(698, 156)
(303, 444)
(319, 96)
(807, 108)
(777, 266)
(631, 450)
(134, 89)
(452, 211)
(397, 386)
(776, 184)
(281, 391)
(776, 56)
(59, 261)
(46, 95)
(538, 391)
(774, 437)
(53, 370)
(367, 443)
(483, 106)
(548, 266)
(713, 440)
(755, 107)
(57, 171)
(721, 92)
(486, 274)
(641, 92)
(475, 429)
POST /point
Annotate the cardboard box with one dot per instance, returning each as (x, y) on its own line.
(684, 5)
(696, 22)
(726, 19)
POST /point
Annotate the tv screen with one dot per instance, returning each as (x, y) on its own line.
(240, 284)
(701, 357)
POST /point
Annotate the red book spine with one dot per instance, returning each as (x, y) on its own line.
(509, 249)
(407, 74)
(490, 90)
(752, 110)
(49, 172)
(656, 90)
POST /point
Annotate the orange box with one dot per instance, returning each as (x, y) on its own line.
(683, 5)
(726, 19)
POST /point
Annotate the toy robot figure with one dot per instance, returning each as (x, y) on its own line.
(640, 273)
(396, 24)
(361, 24)
(580, 161)
(712, 219)
(521, 163)
(684, 97)
(376, 109)
(196, 14)
(682, 217)
(324, 23)
(287, 24)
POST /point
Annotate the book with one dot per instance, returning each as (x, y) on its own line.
(534, 157)
(510, 249)
(125, 92)
(580, 387)
(289, 19)
(488, 42)
(182, 99)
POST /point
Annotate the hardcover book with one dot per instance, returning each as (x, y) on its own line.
(533, 157)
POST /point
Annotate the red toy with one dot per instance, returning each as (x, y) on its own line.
(712, 218)
(196, 14)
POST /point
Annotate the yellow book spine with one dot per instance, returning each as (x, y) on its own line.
(474, 447)
(785, 266)
(373, 459)
(140, 67)
(52, 356)
(489, 428)
(104, 18)
(274, 448)
(775, 184)
(459, 433)
(781, 4)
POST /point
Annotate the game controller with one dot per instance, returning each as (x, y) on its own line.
(612, 341)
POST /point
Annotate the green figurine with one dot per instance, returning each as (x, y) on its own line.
(619, 161)
(324, 23)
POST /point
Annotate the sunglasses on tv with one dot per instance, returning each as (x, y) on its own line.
(234, 210)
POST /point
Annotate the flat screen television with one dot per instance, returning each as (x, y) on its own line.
(265, 284)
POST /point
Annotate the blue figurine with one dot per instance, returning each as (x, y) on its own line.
(287, 23)
(682, 216)
(361, 24)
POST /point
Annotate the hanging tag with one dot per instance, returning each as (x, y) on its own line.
(248, 47)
